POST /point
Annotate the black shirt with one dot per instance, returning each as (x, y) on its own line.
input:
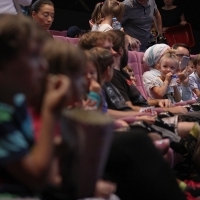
(114, 99)
(171, 17)
(122, 82)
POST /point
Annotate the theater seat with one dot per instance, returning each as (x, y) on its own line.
(136, 63)
(64, 33)
(54, 32)
(56, 37)
(73, 41)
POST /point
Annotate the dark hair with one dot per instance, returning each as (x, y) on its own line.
(118, 40)
(39, 3)
(175, 46)
(196, 60)
(15, 33)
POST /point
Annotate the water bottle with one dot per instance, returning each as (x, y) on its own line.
(116, 24)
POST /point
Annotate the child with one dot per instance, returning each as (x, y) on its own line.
(160, 86)
(130, 72)
(103, 14)
(194, 80)
(24, 165)
(187, 93)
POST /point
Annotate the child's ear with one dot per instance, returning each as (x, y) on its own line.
(33, 14)
(121, 51)
(158, 66)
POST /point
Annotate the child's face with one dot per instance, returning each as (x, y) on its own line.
(167, 65)
(27, 71)
(90, 72)
(190, 68)
(197, 69)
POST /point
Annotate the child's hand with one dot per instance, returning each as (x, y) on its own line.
(168, 77)
(94, 86)
(164, 103)
(58, 91)
(185, 82)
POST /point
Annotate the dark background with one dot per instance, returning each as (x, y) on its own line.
(78, 12)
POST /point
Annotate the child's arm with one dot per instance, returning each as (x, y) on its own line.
(33, 168)
(160, 91)
(177, 95)
(196, 91)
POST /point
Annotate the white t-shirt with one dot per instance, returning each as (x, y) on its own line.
(7, 6)
(101, 27)
(157, 82)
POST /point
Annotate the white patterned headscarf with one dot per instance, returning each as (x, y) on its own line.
(153, 54)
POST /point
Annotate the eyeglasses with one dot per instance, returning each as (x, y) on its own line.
(181, 55)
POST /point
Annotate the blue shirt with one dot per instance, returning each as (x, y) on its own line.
(138, 19)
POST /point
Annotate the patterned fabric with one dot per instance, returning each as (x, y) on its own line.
(194, 81)
(114, 99)
(153, 54)
(16, 138)
(157, 82)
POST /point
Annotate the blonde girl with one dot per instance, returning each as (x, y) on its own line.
(161, 86)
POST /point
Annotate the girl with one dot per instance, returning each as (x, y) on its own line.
(160, 86)
(99, 69)
(103, 14)
(194, 80)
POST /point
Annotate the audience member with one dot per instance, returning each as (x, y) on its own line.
(151, 58)
(171, 15)
(183, 50)
(103, 14)
(130, 72)
(194, 80)
(8, 6)
(42, 11)
(138, 18)
(161, 86)
(75, 32)
(24, 165)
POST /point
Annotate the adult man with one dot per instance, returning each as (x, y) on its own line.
(138, 19)
(8, 6)
(120, 79)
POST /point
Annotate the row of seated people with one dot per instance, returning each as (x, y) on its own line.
(139, 66)
(27, 165)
